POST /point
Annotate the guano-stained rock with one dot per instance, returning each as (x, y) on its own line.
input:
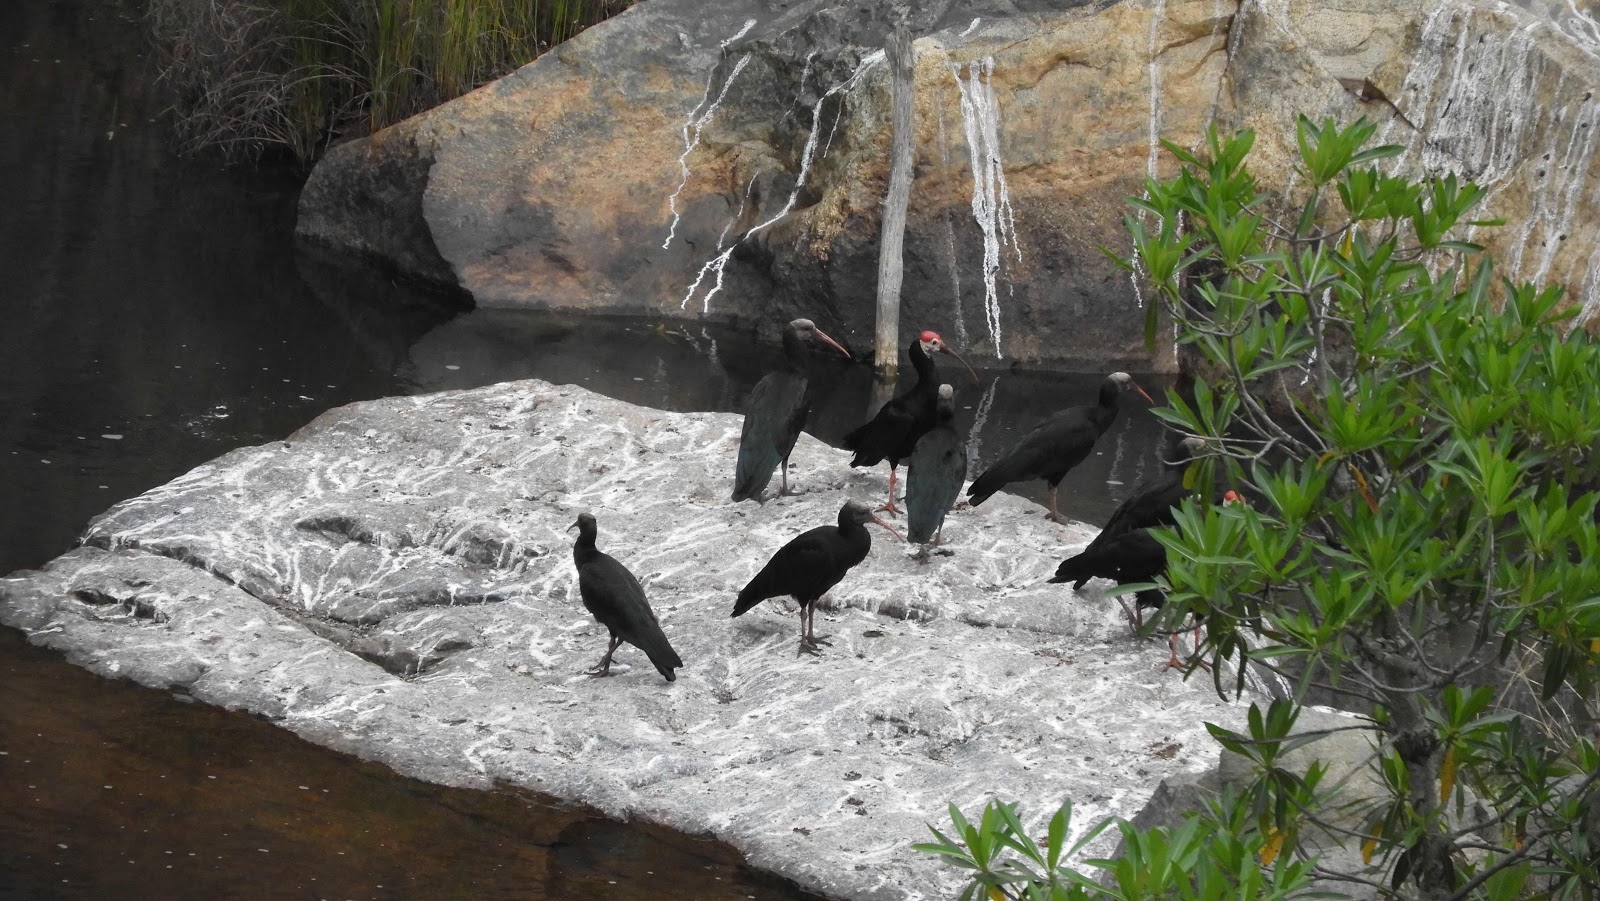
(729, 161)
(395, 580)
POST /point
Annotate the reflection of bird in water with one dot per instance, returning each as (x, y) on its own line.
(1151, 504)
(1056, 445)
(892, 434)
(777, 411)
(617, 601)
(934, 475)
(810, 564)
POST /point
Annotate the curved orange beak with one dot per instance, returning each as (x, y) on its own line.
(945, 348)
(831, 343)
(889, 527)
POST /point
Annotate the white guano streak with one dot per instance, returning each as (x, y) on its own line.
(991, 198)
(699, 118)
(718, 263)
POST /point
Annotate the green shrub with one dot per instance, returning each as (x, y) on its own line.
(294, 75)
(1418, 440)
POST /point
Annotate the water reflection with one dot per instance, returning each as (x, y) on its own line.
(680, 367)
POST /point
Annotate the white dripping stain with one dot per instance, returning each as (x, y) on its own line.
(979, 420)
(1136, 273)
(991, 198)
(718, 263)
(1456, 92)
(699, 118)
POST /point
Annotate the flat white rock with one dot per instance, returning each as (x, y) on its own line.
(395, 580)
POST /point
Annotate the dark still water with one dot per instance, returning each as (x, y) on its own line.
(156, 316)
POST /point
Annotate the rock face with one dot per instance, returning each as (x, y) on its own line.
(729, 161)
(396, 580)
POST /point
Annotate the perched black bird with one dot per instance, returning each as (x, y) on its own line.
(1055, 445)
(1151, 504)
(617, 601)
(812, 563)
(777, 412)
(892, 434)
(935, 473)
(1129, 558)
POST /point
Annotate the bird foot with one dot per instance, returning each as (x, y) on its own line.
(597, 672)
(807, 647)
(821, 639)
(890, 509)
(1058, 519)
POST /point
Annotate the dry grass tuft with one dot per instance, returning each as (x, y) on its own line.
(255, 76)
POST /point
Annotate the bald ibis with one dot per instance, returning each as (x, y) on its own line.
(812, 563)
(1131, 557)
(617, 601)
(935, 473)
(779, 405)
(1151, 504)
(892, 434)
(1056, 445)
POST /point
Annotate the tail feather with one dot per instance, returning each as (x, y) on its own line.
(1075, 569)
(754, 471)
(985, 485)
(655, 646)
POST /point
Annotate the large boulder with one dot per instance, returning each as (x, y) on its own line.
(396, 580)
(730, 160)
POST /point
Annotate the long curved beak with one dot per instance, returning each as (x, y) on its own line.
(832, 343)
(945, 348)
(573, 526)
(1147, 397)
(889, 527)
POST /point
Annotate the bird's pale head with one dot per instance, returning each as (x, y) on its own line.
(807, 330)
(861, 513)
(1124, 382)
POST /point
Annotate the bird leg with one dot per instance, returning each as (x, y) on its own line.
(1134, 619)
(1055, 514)
(784, 470)
(603, 668)
(809, 640)
(890, 507)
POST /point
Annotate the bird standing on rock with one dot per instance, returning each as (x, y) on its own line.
(1056, 445)
(617, 601)
(776, 413)
(1151, 504)
(1130, 557)
(934, 475)
(892, 434)
(810, 564)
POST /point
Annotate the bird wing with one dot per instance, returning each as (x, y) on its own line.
(1053, 447)
(617, 600)
(772, 421)
(934, 476)
(804, 568)
(882, 435)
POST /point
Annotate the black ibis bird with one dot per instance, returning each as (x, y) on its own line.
(617, 601)
(810, 564)
(935, 473)
(1056, 445)
(779, 405)
(892, 434)
(1131, 557)
(1151, 504)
